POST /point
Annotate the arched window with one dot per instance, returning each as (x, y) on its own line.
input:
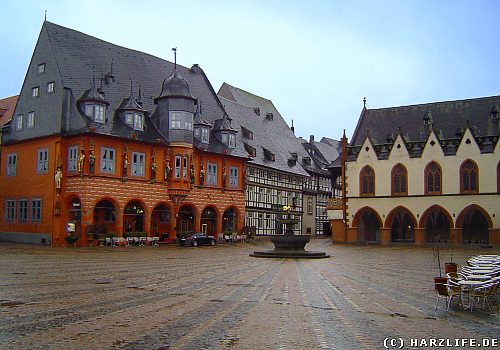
(367, 181)
(433, 178)
(469, 177)
(399, 177)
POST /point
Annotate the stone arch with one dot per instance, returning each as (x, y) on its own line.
(475, 223)
(161, 221)
(134, 216)
(230, 219)
(186, 218)
(437, 222)
(208, 220)
(105, 214)
(368, 222)
(402, 223)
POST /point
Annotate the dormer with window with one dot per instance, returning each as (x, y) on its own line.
(247, 133)
(225, 132)
(252, 152)
(268, 155)
(201, 126)
(131, 112)
(93, 105)
(269, 116)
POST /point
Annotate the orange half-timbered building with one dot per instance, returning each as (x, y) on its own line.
(108, 140)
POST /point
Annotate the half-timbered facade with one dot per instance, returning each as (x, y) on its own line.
(274, 175)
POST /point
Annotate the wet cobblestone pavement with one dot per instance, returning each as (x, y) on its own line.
(220, 298)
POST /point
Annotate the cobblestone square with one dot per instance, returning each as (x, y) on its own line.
(219, 297)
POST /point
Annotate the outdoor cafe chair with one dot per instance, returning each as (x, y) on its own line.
(108, 242)
(456, 276)
(484, 292)
(449, 291)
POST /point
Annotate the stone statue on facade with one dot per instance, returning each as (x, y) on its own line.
(167, 169)
(91, 161)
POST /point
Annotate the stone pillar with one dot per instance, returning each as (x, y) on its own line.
(385, 236)
(494, 236)
(419, 236)
(338, 231)
(456, 236)
(352, 235)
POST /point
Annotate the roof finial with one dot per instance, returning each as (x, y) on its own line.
(131, 89)
(139, 95)
(174, 49)
(45, 20)
(364, 102)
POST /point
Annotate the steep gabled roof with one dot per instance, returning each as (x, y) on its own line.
(409, 120)
(262, 140)
(79, 56)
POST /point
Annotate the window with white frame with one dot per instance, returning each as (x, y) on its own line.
(211, 174)
(138, 121)
(233, 176)
(205, 135)
(107, 160)
(177, 167)
(22, 215)
(232, 141)
(36, 210)
(129, 118)
(185, 167)
(19, 122)
(10, 210)
(181, 120)
(42, 164)
(138, 160)
(30, 121)
(50, 87)
(35, 91)
(99, 113)
(72, 158)
(41, 68)
(11, 164)
(89, 109)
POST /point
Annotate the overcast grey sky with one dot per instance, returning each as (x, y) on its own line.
(315, 60)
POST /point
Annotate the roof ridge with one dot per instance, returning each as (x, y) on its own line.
(436, 103)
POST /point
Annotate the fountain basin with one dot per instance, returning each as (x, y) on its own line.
(290, 246)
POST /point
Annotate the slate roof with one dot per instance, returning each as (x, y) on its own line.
(262, 139)
(81, 57)
(7, 106)
(272, 135)
(446, 117)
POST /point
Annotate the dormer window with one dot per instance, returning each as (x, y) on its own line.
(205, 135)
(229, 139)
(269, 116)
(250, 150)
(138, 121)
(247, 133)
(96, 111)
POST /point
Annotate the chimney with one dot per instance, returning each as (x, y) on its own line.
(293, 128)
(311, 138)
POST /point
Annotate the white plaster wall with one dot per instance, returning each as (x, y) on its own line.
(488, 197)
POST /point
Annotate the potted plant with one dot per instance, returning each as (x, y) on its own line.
(440, 279)
(451, 266)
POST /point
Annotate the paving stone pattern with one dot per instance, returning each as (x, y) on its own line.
(220, 298)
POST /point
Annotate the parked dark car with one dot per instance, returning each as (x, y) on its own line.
(197, 238)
